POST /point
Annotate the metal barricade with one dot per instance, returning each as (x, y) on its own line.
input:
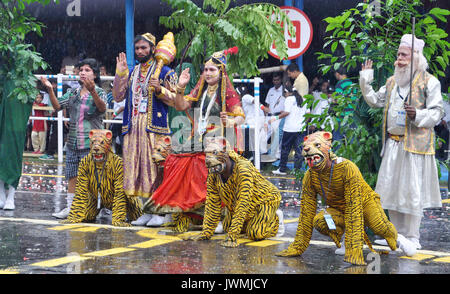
(60, 118)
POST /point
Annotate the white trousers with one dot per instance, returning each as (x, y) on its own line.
(38, 139)
(406, 224)
(274, 133)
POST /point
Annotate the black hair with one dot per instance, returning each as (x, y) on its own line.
(298, 97)
(293, 67)
(215, 60)
(319, 83)
(94, 65)
(242, 90)
(277, 75)
(342, 71)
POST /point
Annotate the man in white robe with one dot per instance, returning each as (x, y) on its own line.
(407, 180)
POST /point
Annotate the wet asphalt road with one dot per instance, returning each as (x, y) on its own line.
(32, 241)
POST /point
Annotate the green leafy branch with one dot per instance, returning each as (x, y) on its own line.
(215, 26)
(368, 32)
(18, 59)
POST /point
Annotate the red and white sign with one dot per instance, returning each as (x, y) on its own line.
(298, 44)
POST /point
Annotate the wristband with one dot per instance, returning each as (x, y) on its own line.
(122, 73)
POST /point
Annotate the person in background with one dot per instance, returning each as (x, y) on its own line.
(275, 105)
(442, 131)
(28, 142)
(71, 59)
(116, 129)
(300, 81)
(293, 133)
(274, 98)
(69, 66)
(344, 83)
(315, 84)
(322, 105)
(343, 87)
(248, 105)
(39, 132)
(179, 120)
(105, 84)
(86, 106)
(52, 130)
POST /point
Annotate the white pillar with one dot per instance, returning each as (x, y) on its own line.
(257, 158)
(60, 119)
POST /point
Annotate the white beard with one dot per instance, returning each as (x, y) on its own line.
(402, 75)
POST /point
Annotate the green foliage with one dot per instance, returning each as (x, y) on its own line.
(215, 26)
(367, 32)
(17, 59)
(363, 32)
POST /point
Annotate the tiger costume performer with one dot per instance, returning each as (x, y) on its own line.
(350, 201)
(105, 167)
(251, 201)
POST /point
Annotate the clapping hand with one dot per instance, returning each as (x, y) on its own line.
(89, 84)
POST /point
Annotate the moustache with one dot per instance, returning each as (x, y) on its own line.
(400, 64)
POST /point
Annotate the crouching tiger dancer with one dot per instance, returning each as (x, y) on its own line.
(100, 184)
(351, 204)
(251, 201)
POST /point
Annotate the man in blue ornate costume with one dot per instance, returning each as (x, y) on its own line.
(145, 116)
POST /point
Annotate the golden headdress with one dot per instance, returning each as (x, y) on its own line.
(220, 57)
(149, 37)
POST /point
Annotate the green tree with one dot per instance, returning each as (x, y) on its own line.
(215, 26)
(374, 32)
(17, 84)
(17, 58)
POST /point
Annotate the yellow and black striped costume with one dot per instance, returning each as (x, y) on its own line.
(84, 206)
(351, 202)
(250, 199)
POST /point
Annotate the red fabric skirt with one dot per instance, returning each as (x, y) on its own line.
(184, 184)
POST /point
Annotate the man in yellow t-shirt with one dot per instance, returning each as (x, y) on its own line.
(300, 81)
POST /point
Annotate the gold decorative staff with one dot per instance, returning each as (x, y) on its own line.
(164, 54)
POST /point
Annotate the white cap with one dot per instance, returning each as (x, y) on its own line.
(406, 41)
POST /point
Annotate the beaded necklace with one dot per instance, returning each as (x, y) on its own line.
(139, 86)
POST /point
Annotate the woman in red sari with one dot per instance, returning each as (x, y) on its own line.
(214, 109)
